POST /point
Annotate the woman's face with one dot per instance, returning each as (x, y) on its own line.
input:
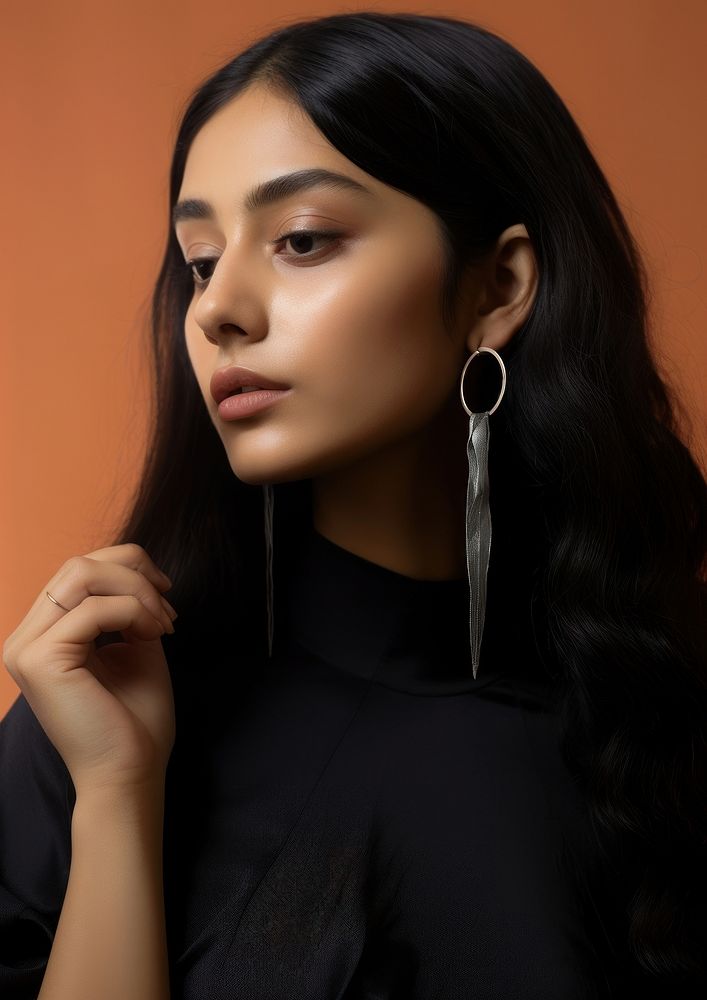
(350, 322)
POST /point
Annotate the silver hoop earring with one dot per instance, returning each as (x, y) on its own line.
(478, 513)
(268, 507)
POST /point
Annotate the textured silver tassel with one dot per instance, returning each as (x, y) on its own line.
(478, 529)
(268, 505)
(478, 511)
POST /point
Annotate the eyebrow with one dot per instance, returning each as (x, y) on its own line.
(271, 191)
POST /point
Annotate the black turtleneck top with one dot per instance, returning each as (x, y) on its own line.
(360, 820)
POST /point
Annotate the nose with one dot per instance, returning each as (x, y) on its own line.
(230, 302)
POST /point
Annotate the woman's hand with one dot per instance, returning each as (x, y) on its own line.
(109, 711)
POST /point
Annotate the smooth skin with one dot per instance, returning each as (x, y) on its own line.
(374, 419)
(109, 712)
(352, 324)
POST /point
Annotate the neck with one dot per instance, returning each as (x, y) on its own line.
(404, 506)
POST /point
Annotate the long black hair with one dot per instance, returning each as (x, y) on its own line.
(598, 503)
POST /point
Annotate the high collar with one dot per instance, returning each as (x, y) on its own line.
(365, 619)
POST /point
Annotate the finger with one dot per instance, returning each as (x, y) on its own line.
(135, 557)
(65, 644)
(129, 554)
(98, 614)
(81, 577)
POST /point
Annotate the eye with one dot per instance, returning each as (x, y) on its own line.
(197, 262)
(297, 236)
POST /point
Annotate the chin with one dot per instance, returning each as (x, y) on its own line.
(269, 457)
(266, 473)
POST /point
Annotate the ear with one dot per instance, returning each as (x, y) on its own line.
(507, 283)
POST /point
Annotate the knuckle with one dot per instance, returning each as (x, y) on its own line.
(7, 659)
(134, 550)
(7, 647)
(19, 665)
(95, 602)
(75, 565)
(10, 667)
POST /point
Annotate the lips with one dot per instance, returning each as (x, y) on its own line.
(226, 381)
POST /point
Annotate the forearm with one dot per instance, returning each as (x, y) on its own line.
(111, 940)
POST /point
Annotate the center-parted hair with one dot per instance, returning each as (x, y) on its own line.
(598, 505)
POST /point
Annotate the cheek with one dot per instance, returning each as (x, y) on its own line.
(377, 354)
(201, 354)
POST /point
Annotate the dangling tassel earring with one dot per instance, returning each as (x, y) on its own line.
(478, 513)
(268, 506)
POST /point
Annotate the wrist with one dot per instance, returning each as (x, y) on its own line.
(119, 806)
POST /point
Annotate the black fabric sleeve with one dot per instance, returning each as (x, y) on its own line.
(37, 797)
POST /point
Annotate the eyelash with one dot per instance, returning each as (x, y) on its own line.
(189, 265)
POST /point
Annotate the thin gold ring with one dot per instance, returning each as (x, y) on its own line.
(55, 601)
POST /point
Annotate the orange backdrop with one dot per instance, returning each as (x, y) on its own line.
(90, 99)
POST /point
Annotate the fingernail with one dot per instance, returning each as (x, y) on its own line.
(166, 578)
(168, 608)
(165, 622)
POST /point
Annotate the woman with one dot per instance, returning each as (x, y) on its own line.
(374, 770)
